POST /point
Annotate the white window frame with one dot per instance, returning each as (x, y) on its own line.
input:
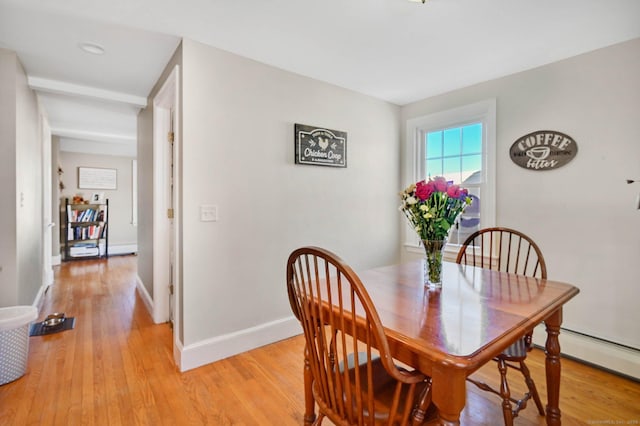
(417, 128)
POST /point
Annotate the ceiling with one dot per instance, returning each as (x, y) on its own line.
(395, 50)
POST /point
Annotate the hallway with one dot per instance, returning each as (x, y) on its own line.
(116, 367)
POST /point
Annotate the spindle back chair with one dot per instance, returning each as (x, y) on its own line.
(509, 250)
(355, 380)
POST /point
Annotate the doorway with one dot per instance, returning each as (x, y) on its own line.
(165, 212)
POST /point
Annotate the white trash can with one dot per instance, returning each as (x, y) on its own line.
(14, 341)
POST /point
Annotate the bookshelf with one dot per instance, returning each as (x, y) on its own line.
(86, 230)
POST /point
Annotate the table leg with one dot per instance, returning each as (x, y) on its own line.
(309, 402)
(552, 367)
(449, 395)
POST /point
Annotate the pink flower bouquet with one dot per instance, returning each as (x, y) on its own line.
(433, 206)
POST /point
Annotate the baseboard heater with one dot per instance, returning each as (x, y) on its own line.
(617, 358)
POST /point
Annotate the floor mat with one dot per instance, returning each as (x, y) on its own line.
(38, 328)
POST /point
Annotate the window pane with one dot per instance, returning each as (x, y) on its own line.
(434, 144)
(434, 167)
(452, 141)
(470, 218)
(471, 164)
(451, 168)
(472, 138)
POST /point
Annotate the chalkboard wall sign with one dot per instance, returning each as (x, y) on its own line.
(320, 147)
(543, 150)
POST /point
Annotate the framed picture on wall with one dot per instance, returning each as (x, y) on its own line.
(97, 178)
(97, 197)
(320, 146)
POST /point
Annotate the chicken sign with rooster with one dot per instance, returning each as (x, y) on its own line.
(319, 146)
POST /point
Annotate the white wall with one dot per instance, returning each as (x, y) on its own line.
(238, 153)
(21, 172)
(582, 215)
(119, 149)
(29, 187)
(55, 197)
(8, 260)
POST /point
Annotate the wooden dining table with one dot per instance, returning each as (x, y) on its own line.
(451, 332)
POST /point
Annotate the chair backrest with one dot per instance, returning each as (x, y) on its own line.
(503, 249)
(332, 305)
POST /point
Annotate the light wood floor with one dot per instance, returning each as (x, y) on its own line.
(115, 368)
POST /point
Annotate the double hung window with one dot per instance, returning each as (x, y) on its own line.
(458, 144)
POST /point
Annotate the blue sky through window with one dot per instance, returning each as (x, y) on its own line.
(454, 153)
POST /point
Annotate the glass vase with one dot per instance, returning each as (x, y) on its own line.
(433, 265)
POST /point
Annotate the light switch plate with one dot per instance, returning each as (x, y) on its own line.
(208, 213)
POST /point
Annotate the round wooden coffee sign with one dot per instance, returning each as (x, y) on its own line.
(543, 150)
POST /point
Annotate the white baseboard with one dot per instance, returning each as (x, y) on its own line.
(39, 299)
(595, 351)
(144, 294)
(122, 249)
(177, 351)
(220, 347)
(114, 250)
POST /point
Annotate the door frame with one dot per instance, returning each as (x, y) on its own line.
(47, 216)
(165, 103)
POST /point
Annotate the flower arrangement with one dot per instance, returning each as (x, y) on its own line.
(433, 206)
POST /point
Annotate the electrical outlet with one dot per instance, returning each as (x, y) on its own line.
(208, 213)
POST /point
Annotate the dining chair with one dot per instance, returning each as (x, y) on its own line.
(355, 381)
(508, 250)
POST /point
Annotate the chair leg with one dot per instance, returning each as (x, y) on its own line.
(424, 403)
(533, 391)
(505, 394)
